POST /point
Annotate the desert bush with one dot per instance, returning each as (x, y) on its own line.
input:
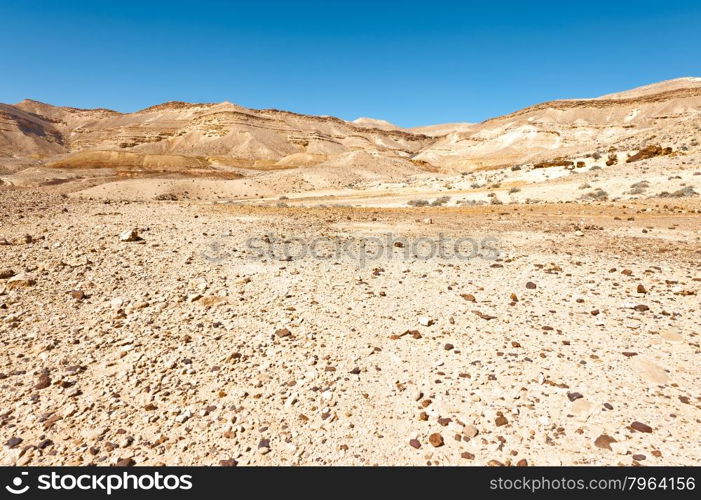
(438, 202)
(166, 197)
(597, 194)
(680, 193)
(418, 203)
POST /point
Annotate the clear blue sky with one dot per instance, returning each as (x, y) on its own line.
(412, 63)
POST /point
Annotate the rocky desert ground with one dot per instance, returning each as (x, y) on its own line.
(204, 284)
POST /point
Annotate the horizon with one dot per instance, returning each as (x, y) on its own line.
(347, 62)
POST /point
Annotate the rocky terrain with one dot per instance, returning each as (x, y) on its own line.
(211, 285)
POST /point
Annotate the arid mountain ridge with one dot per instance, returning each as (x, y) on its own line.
(216, 135)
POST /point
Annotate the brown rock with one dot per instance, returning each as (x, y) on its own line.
(125, 462)
(522, 463)
(501, 420)
(468, 297)
(282, 333)
(228, 463)
(44, 381)
(641, 289)
(574, 396)
(436, 440)
(6, 273)
(640, 427)
(531, 286)
(415, 443)
(604, 441)
(467, 455)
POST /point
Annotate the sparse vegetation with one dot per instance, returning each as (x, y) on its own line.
(597, 194)
(680, 193)
(418, 203)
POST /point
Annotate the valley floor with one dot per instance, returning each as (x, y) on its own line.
(571, 339)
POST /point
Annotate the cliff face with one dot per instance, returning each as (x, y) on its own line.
(666, 113)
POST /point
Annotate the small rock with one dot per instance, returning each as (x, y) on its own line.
(129, 235)
(468, 297)
(436, 440)
(574, 396)
(414, 443)
(448, 347)
(500, 420)
(282, 333)
(13, 441)
(44, 381)
(641, 289)
(6, 273)
(228, 463)
(467, 455)
(470, 431)
(604, 441)
(639, 457)
(640, 427)
(531, 286)
(21, 281)
(522, 463)
(425, 321)
(125, 462)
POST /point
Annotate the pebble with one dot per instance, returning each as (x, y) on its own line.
(531, 286)
(414, 443)
(282, 333)
(44, 381)
(574, 396)
(129, 235)
(228, 463)
(501, 420)
(640, 427)
(13, 441)
(21, 281)
(425, 321)
(6, 273)
(467, 455)
(470, 431)
(436, 440)
(604, 441)
(641, 289)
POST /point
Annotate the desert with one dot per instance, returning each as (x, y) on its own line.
(209, 284)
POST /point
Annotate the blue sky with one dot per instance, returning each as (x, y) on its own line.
(412, 63)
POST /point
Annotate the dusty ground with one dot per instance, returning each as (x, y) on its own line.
(188, 348)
